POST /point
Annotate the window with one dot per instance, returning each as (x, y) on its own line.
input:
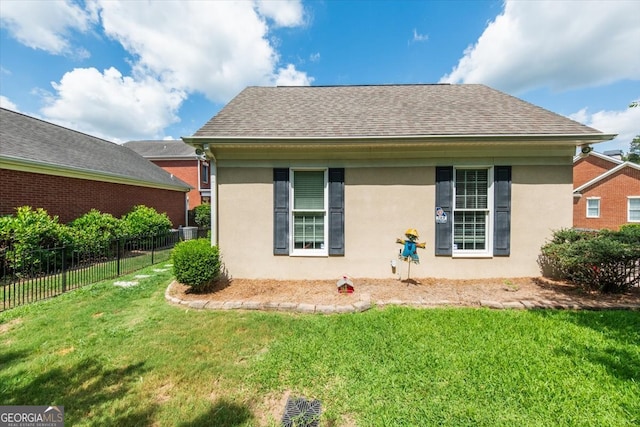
(204, 172)
(477, 211)
(308, 212)
(309, 195)
(634, 209)
(593, 207)
(471, 211)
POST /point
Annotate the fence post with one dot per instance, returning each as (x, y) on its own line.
(153, 246)
(64, 271)
(118, 258)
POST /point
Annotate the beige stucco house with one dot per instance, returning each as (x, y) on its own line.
(319, 182)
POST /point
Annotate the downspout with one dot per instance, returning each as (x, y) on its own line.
(213, 184)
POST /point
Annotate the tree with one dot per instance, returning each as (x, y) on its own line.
(634, 147)
(634, 150)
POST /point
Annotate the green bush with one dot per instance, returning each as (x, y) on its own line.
(95, 231)
(27, 234)
(196, 263)
(605, 261)
(143, 220)
(203, 215)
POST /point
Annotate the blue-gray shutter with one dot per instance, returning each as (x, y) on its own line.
(281, 211)
(502, 211)
(336, 211)
(444, 200)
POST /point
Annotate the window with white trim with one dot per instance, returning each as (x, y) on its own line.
(633, 210)
(204, 172)
(593, 207)
(309, 231)
(472, 211)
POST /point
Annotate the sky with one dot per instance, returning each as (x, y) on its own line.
(144, 69)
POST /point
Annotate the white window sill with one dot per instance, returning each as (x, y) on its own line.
(309, 253)
(471, 255)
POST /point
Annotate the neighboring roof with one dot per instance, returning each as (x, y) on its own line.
(605, 175)
(310, 112)
(27, 143)
(600, 156)
(162, 149)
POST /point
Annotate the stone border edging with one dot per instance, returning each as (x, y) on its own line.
(365, 304)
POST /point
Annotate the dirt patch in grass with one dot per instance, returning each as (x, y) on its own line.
(6, 327)
(385, 291)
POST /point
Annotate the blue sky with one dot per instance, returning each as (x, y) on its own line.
(124, 70)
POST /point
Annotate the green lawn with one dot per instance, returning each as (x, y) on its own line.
(123, 356)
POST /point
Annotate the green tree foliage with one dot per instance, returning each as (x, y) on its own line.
(634, 150)
(196, 263)
(203, 215)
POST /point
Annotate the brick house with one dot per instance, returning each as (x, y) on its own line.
(181, 160)
(606, 192)
(68, 173)
(321, 181)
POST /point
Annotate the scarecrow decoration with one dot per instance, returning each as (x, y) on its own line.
(409, 251)
(345, 285)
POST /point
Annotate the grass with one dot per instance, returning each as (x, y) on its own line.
(123, 356)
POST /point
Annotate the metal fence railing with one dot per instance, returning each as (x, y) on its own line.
(34, 275)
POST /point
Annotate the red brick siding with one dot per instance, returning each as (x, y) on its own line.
(586, 169)
(69, 198)
(187, 171)
(613, 192)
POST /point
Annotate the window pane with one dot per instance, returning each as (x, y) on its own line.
(308, 190)
(469, 230)
(471, 188)
(634, 209)
(593, 208)
(308, 230)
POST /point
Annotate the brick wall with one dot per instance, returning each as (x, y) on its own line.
(613, 192)
(70, 198)
(587, 168)
(187, 171)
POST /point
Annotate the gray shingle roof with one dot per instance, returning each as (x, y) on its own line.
(33, 140)
(162, 149)
(387, 110)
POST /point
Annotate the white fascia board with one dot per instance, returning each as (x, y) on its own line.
(600, 156)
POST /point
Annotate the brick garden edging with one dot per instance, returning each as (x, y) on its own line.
(365, 304)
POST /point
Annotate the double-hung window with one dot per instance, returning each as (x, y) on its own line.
(473, 208)
(309, 211)
(634, 209)
(593, 207)
(472, 211)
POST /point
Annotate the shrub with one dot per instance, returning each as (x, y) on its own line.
(26, 236)
(606, 261)
(203, 215)
(94, 231)
(143, 220)
(196, 263)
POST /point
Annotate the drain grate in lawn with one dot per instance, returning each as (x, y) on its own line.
(300, 412)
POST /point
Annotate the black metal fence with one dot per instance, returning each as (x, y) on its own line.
(34, 275)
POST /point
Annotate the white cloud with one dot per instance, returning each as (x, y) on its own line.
(7, 104)
(314, 57)
(216, 48)
(625, 123)
(284, 13)
(559, 44)
(45, 25)
(419, 37)
(113, 106)
(291, 77)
